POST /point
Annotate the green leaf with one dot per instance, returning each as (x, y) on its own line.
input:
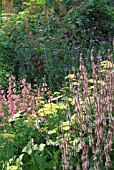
(91, 2)
(40, 2)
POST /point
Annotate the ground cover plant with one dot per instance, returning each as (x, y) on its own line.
(71, 129)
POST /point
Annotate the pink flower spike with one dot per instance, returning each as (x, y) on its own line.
(23, 82)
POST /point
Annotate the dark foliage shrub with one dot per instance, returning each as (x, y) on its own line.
(47, 43)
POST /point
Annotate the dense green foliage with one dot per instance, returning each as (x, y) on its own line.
(44, 38)
(56, 105)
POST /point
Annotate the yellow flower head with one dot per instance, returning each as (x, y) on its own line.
(8, 136)
(49, 109)
(12, 168)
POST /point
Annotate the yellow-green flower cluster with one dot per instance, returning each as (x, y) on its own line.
(106, 66)
(70, 76)
(51, 109)
(9, 137)
(12, 168)
(30, 121)
(39, 101)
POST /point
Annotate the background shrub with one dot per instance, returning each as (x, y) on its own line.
(46, 42)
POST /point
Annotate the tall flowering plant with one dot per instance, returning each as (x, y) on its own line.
(74, 127)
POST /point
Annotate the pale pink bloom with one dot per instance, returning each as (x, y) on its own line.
(39, 92)
(33, 112)
(12, 77)
(42, 119)
(2, 91)
(17, 130)
(23, 82)
(29, 87)
(2, 115)
(14, 108)
(1, 124)
(14, 90)
(23, 105)
(29, 109)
